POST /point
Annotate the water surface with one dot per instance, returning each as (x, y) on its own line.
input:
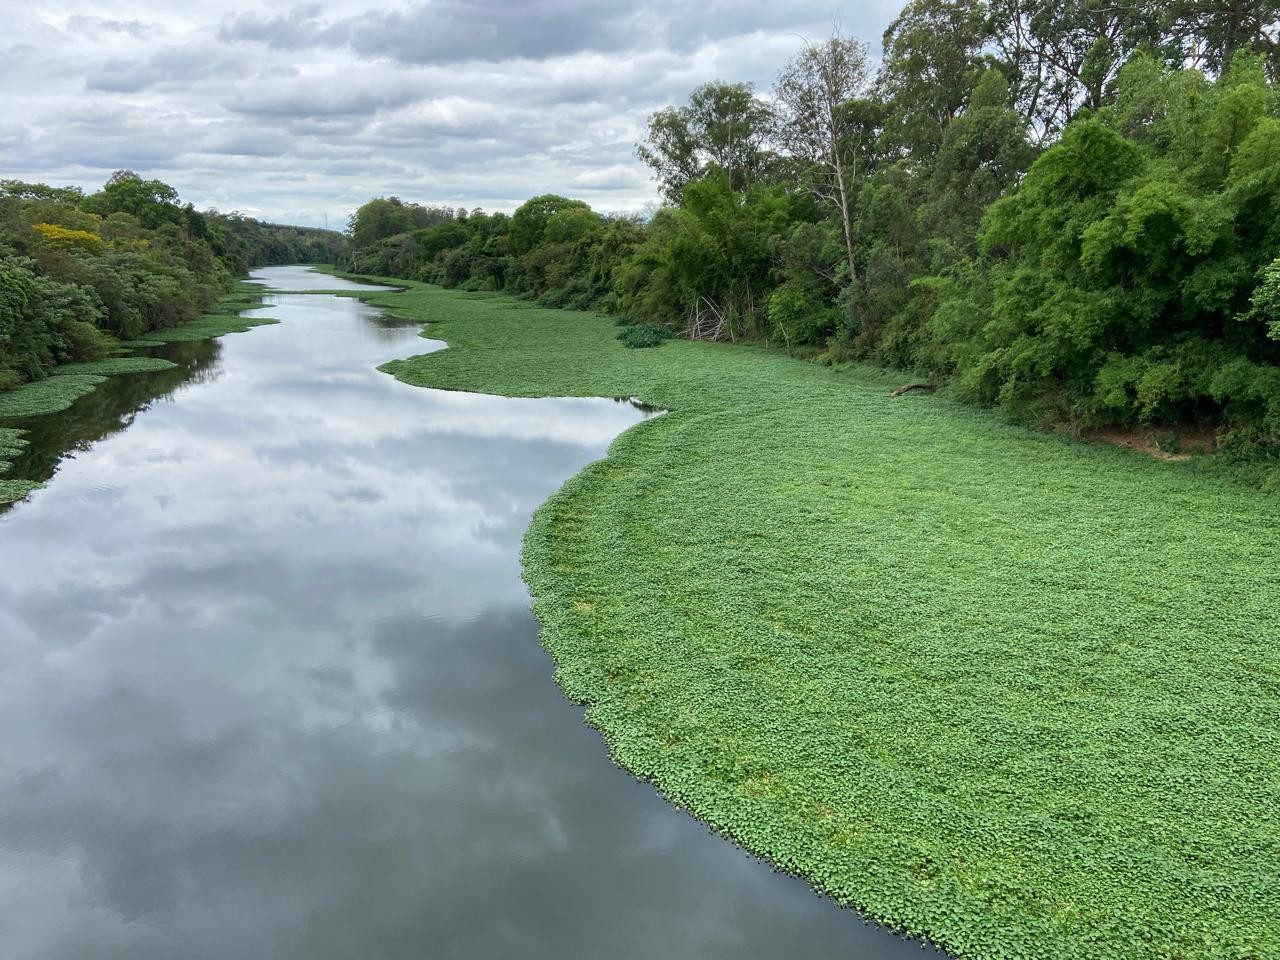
(271, 688)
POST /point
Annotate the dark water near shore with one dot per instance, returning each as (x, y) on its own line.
(271, 689)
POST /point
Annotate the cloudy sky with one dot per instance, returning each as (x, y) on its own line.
(298, 113)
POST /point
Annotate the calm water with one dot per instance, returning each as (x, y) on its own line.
(270, 687)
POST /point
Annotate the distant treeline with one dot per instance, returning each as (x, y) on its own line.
(79, 273)
(1068, 211)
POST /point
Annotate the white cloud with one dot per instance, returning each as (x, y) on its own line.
(304, 112)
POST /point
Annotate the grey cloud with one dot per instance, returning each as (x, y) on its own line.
(108, 139)
(246, 143)
(300, 27)
(616, 177)
(175, 66)
(133, 28)
(308, 98)
(456, 31)
(302, 111)
(448, 31)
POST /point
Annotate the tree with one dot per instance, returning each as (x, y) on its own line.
(378, 219)
(40, 191)
(708, 264)
(921, 217)
(1211, 32)
(529, 222)
(934, 53)
(153, 202)
(724, 124)
(1130, 276)
(812, 91)
(1066, 55)
(1265, 302)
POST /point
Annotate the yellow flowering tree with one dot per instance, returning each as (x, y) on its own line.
(60, 238)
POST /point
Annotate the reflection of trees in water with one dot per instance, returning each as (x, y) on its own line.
(110, 408)
(389, 329)
(647, 409)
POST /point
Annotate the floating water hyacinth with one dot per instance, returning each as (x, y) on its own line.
(904, 649)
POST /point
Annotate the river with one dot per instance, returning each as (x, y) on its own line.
(271, 689)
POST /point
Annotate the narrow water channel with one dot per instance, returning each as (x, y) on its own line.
(270, 686)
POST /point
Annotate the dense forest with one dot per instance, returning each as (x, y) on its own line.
(80, 273)
(1068, 211)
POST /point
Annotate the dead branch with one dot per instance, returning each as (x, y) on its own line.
(914, 386)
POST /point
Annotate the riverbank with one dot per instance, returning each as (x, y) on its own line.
(69, 382)
(1010, 691)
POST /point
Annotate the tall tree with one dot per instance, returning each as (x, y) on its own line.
(812, 92)
(1067, 54)
(724, 125)
(378, 219)
(153, 202)
(530, 222)
(1210, 32)
(934, 53)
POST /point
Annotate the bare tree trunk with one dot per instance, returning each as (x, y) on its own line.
(812, 89)
(833, 96)
(844, 220)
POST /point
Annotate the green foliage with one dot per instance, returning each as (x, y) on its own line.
(46, 396)
(11, 491)
(243, 243)
(709, 264)
(723, 126)
(152, 203)
(113, 366)
(943, 40)
(1118, 269)
(531, 224)
(640, 335)
(1265, 302)
(44, 322)
(921, 657)
(79, 273)
(385, 217)
(798, 314)
(554, 250)
(211, 325)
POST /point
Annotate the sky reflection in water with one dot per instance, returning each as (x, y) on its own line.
(272, 689)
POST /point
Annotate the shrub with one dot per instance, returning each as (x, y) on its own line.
(643, 335)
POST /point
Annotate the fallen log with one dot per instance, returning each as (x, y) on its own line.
(913, 386)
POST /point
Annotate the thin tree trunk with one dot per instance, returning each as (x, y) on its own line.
(840, 186)
(844, 219)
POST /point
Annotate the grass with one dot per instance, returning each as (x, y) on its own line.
(11, 491)
(212, 325)
(50, 395)
(113, 366)
(69, 383)
(11, 444)
(1017, 694)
